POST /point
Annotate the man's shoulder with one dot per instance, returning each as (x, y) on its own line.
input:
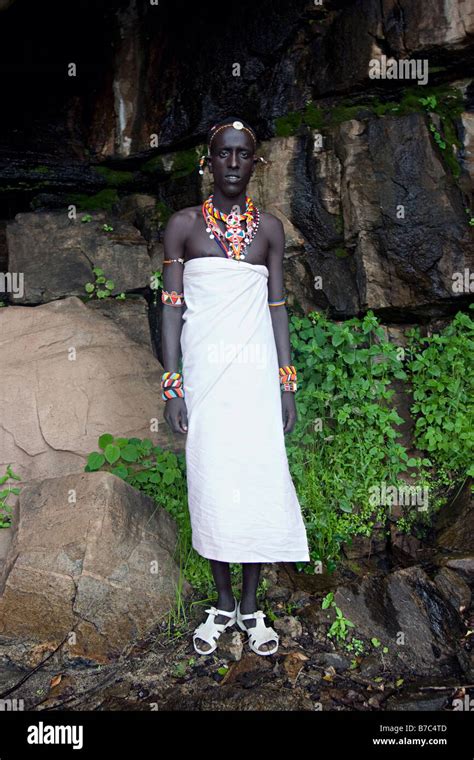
(184, 215)
(270, 221)
(272, 225)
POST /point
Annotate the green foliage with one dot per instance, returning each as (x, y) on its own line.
(163, 212)
(176, 165)
(339, 628)
(345, 440)
(156, 284)
(5, 509)
(112, 177)
(103, 200)
(440, 368)
(102, 287)
(448, 105)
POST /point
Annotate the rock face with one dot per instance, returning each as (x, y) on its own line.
(65, 252)
(70, 374)
(383, 222)
(407, 612)
(91, 561)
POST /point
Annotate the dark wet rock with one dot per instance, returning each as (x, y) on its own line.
(455, 523)
(370, 666)
(464, 566)
(331, 659)
(406, 606)
(288, 626)
(131, 315)
(453, 588)
(66, 250)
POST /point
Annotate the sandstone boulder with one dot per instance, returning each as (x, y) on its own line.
(70, 374)
(92, 562)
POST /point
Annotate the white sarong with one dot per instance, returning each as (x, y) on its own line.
(242, 501)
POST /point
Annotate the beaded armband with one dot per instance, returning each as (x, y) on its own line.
(170, 261)
(277, 303)
(171, 385)
(288, 378)
(173, 298)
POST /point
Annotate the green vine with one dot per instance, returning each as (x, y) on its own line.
(5, 509)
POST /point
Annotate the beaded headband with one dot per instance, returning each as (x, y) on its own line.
(236, 125)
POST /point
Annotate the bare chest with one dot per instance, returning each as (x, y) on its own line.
(199, 244)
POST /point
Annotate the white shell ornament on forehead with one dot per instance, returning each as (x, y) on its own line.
(237, 125)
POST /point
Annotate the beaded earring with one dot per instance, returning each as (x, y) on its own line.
(201, 163)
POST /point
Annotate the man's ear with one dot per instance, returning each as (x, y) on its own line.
(209, 164)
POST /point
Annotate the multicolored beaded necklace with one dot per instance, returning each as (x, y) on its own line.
(237, 238)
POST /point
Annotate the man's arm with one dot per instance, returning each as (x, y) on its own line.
(279, 314)
(172, 316)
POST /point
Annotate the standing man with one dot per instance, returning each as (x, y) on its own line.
(235, 397)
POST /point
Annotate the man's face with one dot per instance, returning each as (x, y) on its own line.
(232, 161)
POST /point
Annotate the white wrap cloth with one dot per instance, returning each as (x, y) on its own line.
(242, 501)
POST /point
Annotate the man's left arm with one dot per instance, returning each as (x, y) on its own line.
(279, 314)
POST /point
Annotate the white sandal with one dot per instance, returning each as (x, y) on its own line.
(210, 631)
(260, 633)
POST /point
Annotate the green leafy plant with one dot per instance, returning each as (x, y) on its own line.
(156, 284)
(441, 373)
(339, 628)
(5, 509)
(102, 287)
(447, 105)
(345, 439)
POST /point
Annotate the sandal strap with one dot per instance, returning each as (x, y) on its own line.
(209, 628)
(259, 615)
(263, 635)
(227, 613)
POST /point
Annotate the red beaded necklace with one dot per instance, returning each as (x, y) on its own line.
(237, 237)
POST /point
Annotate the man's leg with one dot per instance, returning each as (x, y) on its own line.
(248, 602)
(225, 596)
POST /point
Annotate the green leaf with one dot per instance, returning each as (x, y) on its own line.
(105, 439)
(129, 453)
(121, 471)
(112, 453)
(95, 461)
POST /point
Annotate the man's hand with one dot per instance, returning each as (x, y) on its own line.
(176, 415)
(288, 408)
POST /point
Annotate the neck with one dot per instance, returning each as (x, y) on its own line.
(224, 204)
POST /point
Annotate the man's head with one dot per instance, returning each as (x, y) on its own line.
(231, 146)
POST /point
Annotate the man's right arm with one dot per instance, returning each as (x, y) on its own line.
(172, 316)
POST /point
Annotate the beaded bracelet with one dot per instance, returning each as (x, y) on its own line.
(170, 261)
(173, 298)
(172, 385)
(288, 378)
(277, 303)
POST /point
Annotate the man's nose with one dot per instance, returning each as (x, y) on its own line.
(233, 156)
